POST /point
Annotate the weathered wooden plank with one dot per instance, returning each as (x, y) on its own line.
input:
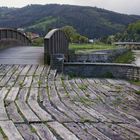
(14, 77)
(56, 101)
(96, 114)
(1, 76)
(32, 70)
(98, 86)
(13, 113)
(115, 132)
(27, 132)
(1, 137)
(45, 71)
(12, 94)
(115, 115)
(43, 81)
(51, 75)
(68, 102)
(11, 81)
(39, 70)
(3, 114)
(36, 82)
(19, 69)
(93, 131)
(23, 93)
(58, 115)
(132, 128)
(19, 81)
(25, 70)
(27, 82)
(77, 130)
(10, 130)
(12, 70)
(3, 93)
(4, 81)
(33, 94)
(112, 81)
(4, 69)
(60, 106)
(32, 101)
(91, 111)
(44, 100)
(77, 89)
(42, 114)
(43, 132)
(60, 129)
(27, 112)
(94, 90)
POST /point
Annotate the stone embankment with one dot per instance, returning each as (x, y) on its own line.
(105, 56)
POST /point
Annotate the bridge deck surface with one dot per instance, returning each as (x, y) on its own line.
(37, 103)
(22, 55)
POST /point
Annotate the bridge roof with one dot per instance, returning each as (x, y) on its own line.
(48, 36)
(8, 28)
(127, 43)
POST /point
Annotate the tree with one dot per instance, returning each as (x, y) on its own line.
(70, 32)
(73, 36)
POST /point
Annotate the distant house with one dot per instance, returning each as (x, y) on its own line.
(20, 29)
(91, 41)
(31, 35)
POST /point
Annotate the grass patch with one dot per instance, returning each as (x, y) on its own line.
(43, 23)
(137, 92)
(72, 75)
(39, 83)
(86, 101)
(33, 130)
(3, 134)
(135, 82)
(127, 57)
(84, 48)
(117, 102)
(83, 87)
(108, 75)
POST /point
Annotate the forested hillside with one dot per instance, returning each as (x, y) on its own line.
(88, 21)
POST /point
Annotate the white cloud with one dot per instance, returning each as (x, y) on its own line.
(122, 6)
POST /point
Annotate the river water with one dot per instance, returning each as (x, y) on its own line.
(137, 57)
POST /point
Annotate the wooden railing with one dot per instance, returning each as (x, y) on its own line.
(55, 42)
(7, 34)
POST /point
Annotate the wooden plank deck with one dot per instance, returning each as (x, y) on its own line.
(37, 103)
(22, 55)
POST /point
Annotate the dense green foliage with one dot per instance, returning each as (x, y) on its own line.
(73, 36)
(137, 83)
(127, 57)
(88, 21)
(132, 33)
(38, 41)
(42, 25)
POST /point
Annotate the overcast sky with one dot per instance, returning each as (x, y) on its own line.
(122, 6)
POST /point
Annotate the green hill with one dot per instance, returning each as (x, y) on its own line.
(89, 21)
